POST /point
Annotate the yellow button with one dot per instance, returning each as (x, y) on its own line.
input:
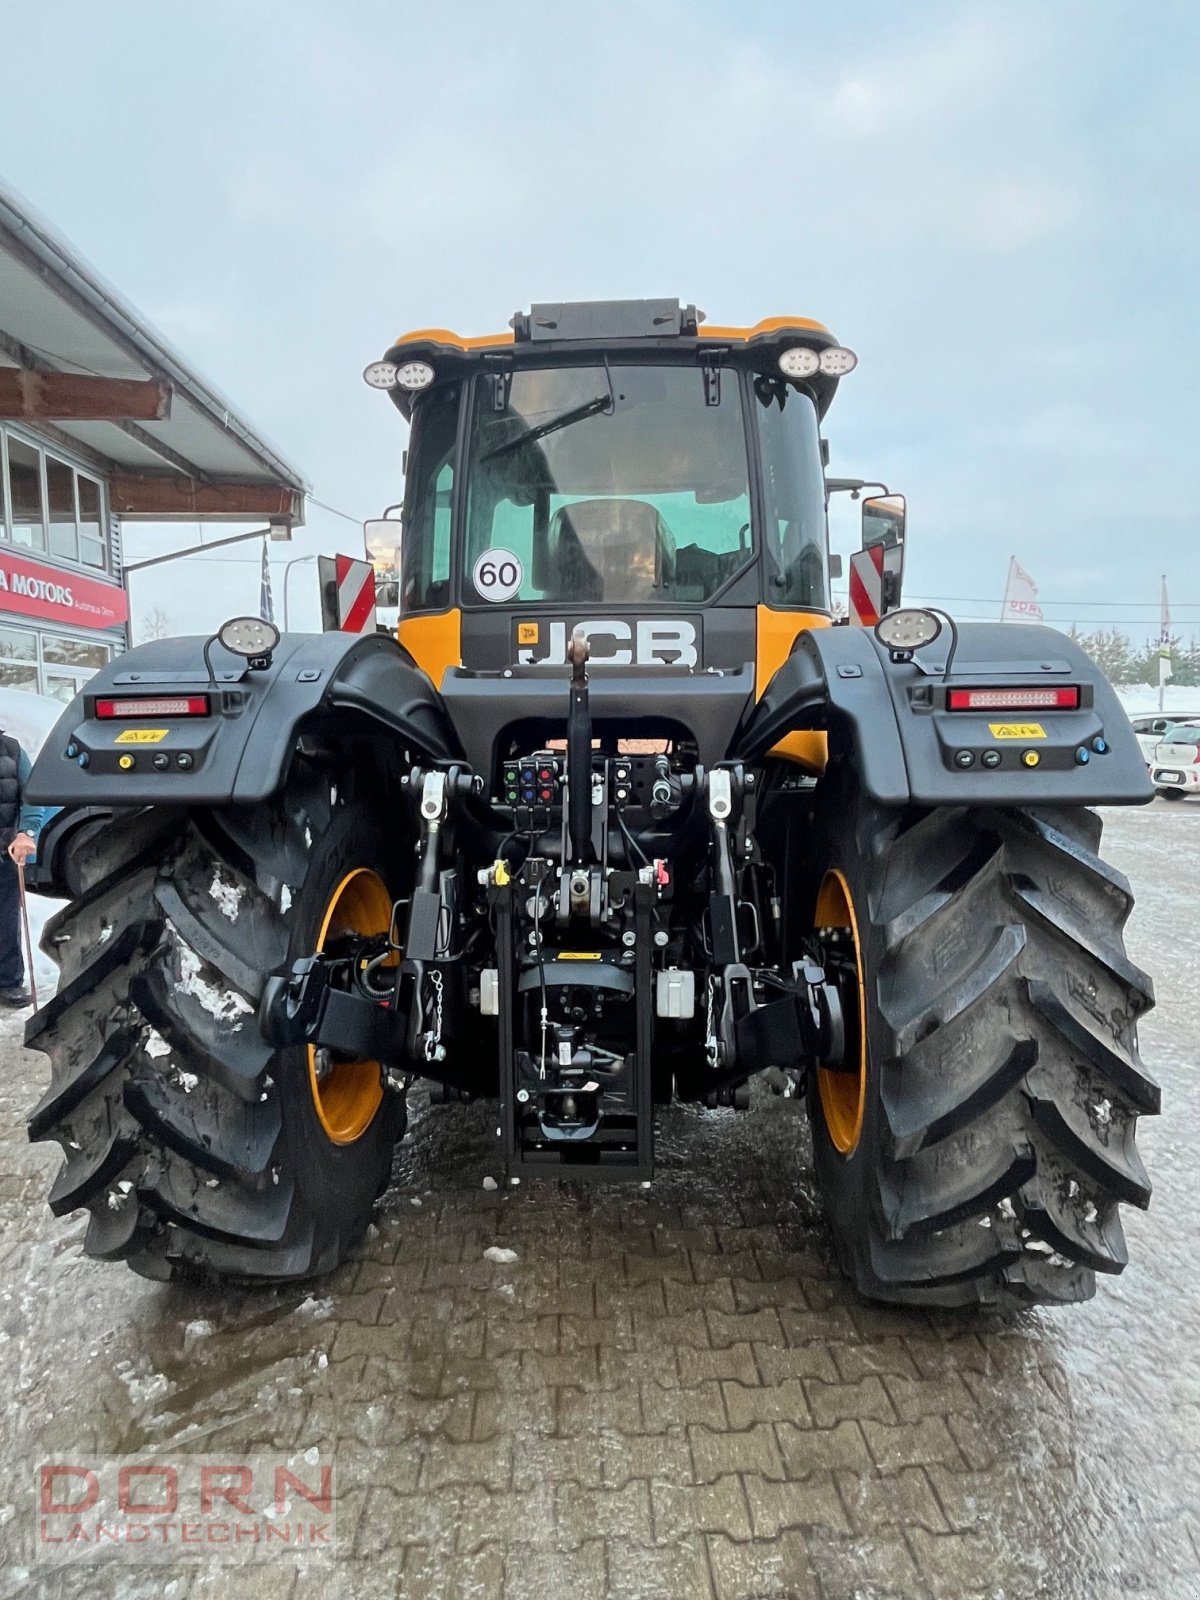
(125, 762)
(1031, 758)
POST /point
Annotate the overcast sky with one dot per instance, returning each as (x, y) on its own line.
(995, 205)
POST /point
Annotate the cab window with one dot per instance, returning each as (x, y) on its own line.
(796, 569)
(607, 485)
(428, 502)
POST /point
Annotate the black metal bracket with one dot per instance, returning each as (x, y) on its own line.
(303, 1007)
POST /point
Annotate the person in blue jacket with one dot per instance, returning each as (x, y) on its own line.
(19, 828)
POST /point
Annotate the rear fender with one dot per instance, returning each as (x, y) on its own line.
(892, 719)
(241, 752)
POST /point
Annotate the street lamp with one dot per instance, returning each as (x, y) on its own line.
(287, 572)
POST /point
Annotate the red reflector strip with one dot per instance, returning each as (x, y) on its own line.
(184, 705)
(1013, 699)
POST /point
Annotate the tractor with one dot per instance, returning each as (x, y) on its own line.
(619, 813)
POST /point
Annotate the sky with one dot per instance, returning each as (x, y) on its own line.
(996, 206)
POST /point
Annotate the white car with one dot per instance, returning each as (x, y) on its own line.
(1175, 770)
(1151, 731)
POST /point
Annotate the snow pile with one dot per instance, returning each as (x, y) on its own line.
(155, 1045)
(501, 1256)
(223, 1004)
(228, 896)
(1141, 700)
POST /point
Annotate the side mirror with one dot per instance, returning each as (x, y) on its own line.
(381, 536)
(884, 518)
(835, 566)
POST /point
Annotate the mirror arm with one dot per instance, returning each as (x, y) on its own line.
(853, 486)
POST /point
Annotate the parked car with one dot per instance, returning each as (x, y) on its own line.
(1175, 770)
(1151, 731)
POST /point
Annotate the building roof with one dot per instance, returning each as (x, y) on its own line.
(172, 445)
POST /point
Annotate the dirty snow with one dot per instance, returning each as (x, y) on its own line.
(318, 1310)
(501, 1256)
(228, 896)
(285, 899)
(155, 1045)
(490, 1184)
(223, 1004)
(187, 1081)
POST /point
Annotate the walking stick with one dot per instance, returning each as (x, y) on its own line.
(28, 935)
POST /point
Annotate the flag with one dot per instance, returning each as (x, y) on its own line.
(266, 606)
(1020, 596)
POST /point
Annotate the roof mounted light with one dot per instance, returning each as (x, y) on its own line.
(799, 362)
(251, 637)
(908, 629)
(413, 375)
(837, 361)
(380, 374)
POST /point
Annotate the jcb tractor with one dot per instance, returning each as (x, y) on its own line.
(620, 814)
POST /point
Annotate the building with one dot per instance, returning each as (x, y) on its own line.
(101, 423)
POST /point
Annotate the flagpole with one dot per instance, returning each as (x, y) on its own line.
(1164, 645)
(1012, 561)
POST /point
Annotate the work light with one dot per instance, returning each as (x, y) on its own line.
(799, 362)
(414, 375)
(907, 630)
(381, 374)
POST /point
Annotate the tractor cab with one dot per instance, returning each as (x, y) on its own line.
(620, 468)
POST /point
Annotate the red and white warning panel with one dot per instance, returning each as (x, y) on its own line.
(866, 586)
(347, 594)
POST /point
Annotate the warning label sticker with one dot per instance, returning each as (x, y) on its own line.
(1016, 730)
(142, 736)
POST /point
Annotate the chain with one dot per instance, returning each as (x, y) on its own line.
(710, 1021)
(433, 1038)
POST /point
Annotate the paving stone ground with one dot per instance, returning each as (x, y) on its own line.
(671, 1392)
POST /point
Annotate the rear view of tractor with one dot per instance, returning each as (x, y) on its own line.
(618, 816)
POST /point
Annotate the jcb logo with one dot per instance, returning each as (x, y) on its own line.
(648, 642)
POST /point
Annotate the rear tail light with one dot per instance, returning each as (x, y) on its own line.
(1013, 699)
(184, 705)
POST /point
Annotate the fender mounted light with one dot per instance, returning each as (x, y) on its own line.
(184, 705)
(1049, 699)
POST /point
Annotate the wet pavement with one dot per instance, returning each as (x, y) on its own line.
(670, 1393)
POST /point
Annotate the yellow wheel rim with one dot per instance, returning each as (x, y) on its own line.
(350, 1094)
(843, 1095)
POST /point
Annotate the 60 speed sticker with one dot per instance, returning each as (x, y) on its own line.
(497, 575)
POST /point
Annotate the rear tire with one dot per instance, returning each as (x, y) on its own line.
(1002, 1079)
(1172, 794)
(197, 1149)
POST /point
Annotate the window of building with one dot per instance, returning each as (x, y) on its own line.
(53, 506)
(25, 494)
(18, 659)
(60, 498)
(92, 543)
(52, 664)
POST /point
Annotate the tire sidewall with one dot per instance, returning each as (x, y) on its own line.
(849, 1183)
(339, 1182)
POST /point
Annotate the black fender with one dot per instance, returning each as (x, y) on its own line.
(240, 752)
(893, 719)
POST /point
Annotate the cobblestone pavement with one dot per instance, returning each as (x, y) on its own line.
(670, 1392)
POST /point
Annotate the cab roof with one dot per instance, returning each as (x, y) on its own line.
(616, 328)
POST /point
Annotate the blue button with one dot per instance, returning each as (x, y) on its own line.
(1083, 755)
(1100, 746)
(72, 750)
(84, 758)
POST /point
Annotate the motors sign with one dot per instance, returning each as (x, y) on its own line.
(54, 594)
